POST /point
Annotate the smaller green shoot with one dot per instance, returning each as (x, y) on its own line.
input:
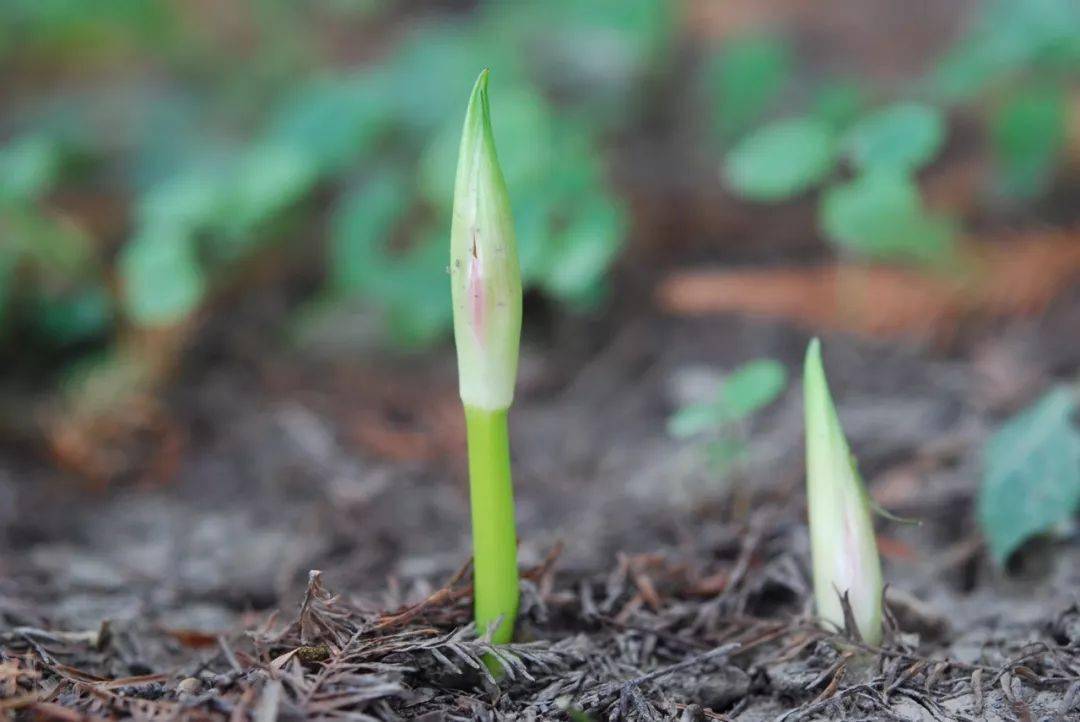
(486, 290)
(721, 422)
(842, 543)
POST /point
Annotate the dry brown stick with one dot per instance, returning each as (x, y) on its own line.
(830, 689)
(444, 594)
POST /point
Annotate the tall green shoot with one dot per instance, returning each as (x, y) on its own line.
(486, 289)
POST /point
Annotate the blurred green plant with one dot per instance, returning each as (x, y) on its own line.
(51, 282)
(224, 153)
(1024, 59)
(1009, 42)
(719, 424)
(1031, 473)
(387, 230)
(1020, 61)
(781, 159)
(60, 30)
(1028, 133)
(879, 213)
(899, 137)
(570, 225)
(744, 80)
(838, 103)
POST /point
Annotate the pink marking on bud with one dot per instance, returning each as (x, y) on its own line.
(851, 550)
(477, 307)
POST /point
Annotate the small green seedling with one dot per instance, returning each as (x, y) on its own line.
(721, 421)
(842, 544)
(486, 290)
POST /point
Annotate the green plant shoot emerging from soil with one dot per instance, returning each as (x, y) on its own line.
(842, 544)
(486, 289)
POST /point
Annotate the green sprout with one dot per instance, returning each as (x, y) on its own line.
(842, 544)
(486, 290)
(721, 421)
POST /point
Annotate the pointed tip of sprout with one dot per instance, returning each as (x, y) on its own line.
(813, 369)
(843, 545)
(477, 127)
(478, 98)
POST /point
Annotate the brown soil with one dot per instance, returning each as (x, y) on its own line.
(654, 588)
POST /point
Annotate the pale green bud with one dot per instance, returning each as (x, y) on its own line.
(842, 543)
(484, 272)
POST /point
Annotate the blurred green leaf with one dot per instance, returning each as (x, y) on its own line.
(753, 386)
(1028, 133)
(781, 159)
(525, 121)
(334, 121)
(192, 199)
(1006, 39)
(438, 163)
(1060, 61)
(424, 317)
(270, 178)
(411, 286)
(744, 80)
(73, 30)
(1031, 474)
(74, 317)
(205, 192)
(749, 388)
(903, 136)
(163, 282)
(838, 103)
(361, 229)
(880, 215)
(694, 419)
(28, 167)
(583, 252)
(969, 68)
(55, 250)
(418, 310)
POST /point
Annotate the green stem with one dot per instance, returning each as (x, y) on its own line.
(495, 573)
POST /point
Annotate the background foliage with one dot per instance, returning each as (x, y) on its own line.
(211, 148)
(1015, 68)
(155, 156)
(218, 159)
